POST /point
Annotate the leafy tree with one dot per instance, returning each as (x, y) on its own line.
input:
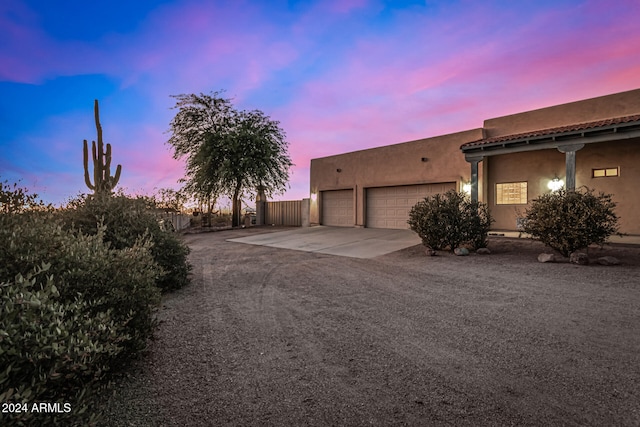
(570, 220)
(228, 151)
(169, 199)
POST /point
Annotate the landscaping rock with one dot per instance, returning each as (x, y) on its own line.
(608, 260)
(429, 252)
(546, 258)
(483, 251)
(579, 258)
(461, 251)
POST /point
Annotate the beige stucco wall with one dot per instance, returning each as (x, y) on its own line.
(538, 167)
(535, 167)
(604, 107)
(398, 164)
(401, 164)
(625, 155)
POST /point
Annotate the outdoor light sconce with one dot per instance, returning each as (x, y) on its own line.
(314, 197)
(338, 170)
(425, 159)
(555, 184)
(466, 187)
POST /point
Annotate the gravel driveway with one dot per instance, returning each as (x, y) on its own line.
(267, 336)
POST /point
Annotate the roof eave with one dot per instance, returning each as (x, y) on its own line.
(540, 142)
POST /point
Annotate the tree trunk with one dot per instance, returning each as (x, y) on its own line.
(235, 207)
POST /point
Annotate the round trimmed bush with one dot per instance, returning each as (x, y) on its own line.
(450, 220)
(571, 220)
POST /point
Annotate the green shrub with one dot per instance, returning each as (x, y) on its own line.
(171, 255)
(120, 280)
(571, 220)
(73, 310)
(126, 220)
(52, 350)
(450, 220)
(479, 222)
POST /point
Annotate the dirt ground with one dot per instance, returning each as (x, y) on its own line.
(266, 336)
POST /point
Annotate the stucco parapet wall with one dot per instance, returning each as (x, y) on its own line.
(583, 111)
(461, 137)
(428, 160)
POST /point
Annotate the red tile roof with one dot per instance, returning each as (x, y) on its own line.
(554, 131)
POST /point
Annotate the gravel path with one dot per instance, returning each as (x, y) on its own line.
(266, 336)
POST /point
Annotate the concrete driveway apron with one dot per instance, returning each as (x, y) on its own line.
(342, 241)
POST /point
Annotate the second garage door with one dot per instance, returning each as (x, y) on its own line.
(337, 208)
(388, 207)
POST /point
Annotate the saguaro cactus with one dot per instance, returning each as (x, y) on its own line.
(103, 182)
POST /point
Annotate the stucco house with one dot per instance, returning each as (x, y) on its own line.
(508, 162)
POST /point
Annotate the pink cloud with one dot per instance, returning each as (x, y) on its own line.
(386, 91)
(200, 43)
(29, 55)
(19, 34)
(417, 76)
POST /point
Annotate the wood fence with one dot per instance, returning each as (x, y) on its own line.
(283, 213)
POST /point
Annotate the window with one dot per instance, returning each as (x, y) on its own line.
(511, 193)
(605, 172)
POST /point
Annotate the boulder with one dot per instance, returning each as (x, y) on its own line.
(608, 260)
(579, 258)
(546, 258)
(483, 251)
(461, 251)
(429, 252)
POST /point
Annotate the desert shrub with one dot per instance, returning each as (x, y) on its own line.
(221, 220)
(571, 220)
(479, 222)
(52, 350)
(122, 281)
(73, 310)
(449, 220)
(16, 199)
(126, 220)
(171, 255)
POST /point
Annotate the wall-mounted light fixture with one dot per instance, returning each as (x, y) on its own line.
(425, 159)
(466, 187)
(338, 170)
(555, 184)
(314, 196)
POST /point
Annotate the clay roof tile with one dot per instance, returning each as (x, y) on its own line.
(554, 131)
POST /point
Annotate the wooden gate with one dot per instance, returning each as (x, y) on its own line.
(283, 213)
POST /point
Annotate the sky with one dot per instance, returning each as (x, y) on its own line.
(339, 75)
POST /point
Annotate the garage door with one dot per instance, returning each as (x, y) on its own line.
(388, 207)
(337, 208)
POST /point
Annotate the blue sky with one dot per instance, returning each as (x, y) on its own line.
(339, 75)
